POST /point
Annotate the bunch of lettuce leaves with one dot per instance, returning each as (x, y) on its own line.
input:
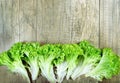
(57, 62)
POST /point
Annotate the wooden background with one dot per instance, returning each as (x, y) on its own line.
(59, 21)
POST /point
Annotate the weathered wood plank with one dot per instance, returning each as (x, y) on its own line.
(110, 28)
(7, 22)
(2, 69)
(27, 20)
(85, 20)
(47, 31)
(6, 6)
(68, 21)
(1, 28)
(10, 22)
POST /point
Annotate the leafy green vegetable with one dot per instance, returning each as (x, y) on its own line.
(60, 64)
(91, 57)
(72, 52)
(29, 52)
(48, 53)
(12, 60)
(57, 61)
(109, 66)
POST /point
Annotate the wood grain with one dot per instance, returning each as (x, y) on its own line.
(67, 22)
(110, 28)
(1, 28)
(10, 35)
(27, 20)
(59, 21)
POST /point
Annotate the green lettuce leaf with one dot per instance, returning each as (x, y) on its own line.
(109, 66)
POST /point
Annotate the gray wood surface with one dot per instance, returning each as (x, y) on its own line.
(59, 21)
(110, 28)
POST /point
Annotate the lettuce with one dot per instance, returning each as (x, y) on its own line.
(72, 53)
(12, 60)
(58, 61)
(46, 56)
(60, 65)
(29, 51)
(108, 66)
(90, 58)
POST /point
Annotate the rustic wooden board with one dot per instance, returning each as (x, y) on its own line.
(1, 29)
(27, 20)
(67, 22)
(110, 28)
(10, 26)
(59, 21)
(2, 71)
